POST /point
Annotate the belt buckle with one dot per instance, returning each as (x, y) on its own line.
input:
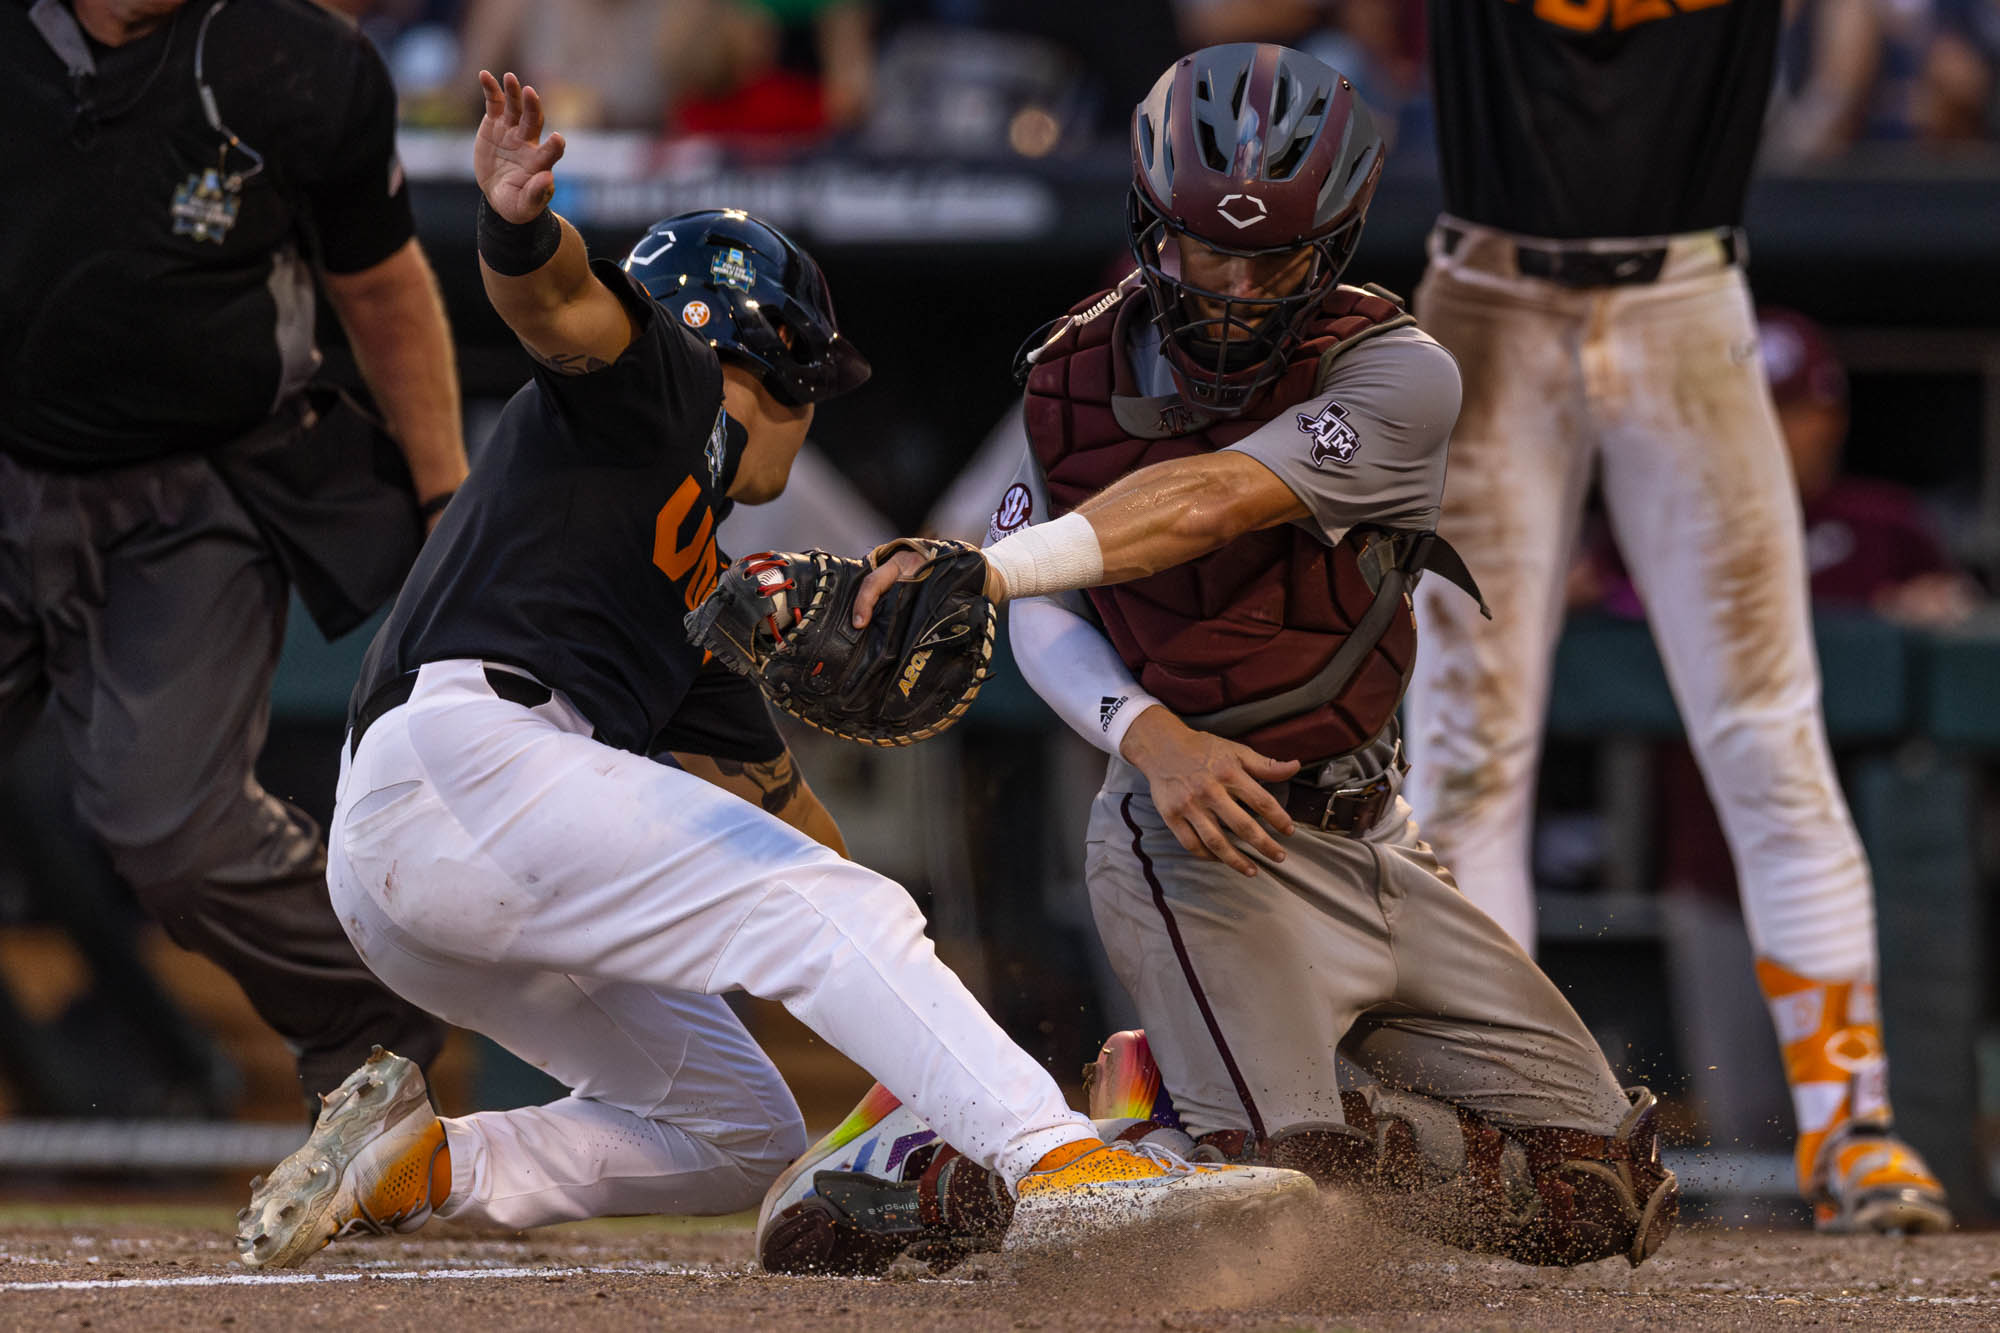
(1367, 791)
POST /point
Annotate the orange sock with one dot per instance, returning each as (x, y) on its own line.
(1831, 1034)
(1063, 1156)
(441, 1174)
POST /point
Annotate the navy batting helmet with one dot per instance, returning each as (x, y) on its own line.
(1251, 150)
(759, 300)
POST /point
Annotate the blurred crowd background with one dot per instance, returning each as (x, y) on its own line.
(952, 75)
(959, 168)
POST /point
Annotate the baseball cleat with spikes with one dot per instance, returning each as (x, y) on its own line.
(369, 1166)
(849, 1204)
(1096, 1191)
(1875, 1182)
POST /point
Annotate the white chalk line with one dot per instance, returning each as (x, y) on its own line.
(402, 1275)
(377, 1275)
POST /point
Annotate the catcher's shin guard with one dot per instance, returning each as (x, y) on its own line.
(1540, 1196)
(1599, 1196)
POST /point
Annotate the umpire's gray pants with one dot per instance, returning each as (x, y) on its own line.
(1246, 986)
(143, 609)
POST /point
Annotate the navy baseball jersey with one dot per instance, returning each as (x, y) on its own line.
(584, 534)
(1579, 118)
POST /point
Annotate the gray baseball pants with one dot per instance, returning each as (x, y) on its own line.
(142, 608)
(1247, 986)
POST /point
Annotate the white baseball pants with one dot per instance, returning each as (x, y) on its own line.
(585, 907)
(1659, 387)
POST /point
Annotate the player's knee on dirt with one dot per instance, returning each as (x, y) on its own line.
(1540, 1196)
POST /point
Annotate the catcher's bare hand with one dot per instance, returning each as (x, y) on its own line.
(1210, 790)
(510, 158)
(894, 568)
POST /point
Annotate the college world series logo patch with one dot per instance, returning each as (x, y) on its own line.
(732, 268)
(1332, 437)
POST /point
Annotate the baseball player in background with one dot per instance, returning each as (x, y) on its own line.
(506, 855)
(1588, 276)
(1243, 462)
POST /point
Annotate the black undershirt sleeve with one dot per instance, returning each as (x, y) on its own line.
(359, 200)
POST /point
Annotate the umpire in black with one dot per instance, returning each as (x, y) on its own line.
(188, 174)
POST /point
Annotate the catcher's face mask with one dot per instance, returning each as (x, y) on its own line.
(1257, 152)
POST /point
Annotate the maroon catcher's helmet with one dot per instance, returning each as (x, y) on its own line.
(1251, 149)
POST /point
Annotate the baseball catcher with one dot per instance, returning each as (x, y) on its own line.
(1232, 483)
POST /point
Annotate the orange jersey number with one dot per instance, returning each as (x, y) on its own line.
(1590, 15)
(694, 558)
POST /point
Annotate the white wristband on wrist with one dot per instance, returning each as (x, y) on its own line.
(1048, 558)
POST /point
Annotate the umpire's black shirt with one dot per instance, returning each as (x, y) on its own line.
(1579, 118)
(583, 537)
(139, 315)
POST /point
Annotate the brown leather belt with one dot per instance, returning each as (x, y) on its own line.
(1348, 810)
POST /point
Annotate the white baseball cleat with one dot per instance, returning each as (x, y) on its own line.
(367, 1168)
(1105, 1189)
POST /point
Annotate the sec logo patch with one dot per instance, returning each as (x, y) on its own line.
(1017, 506)
(694, 314)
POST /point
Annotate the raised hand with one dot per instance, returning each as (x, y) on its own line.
(510, 158)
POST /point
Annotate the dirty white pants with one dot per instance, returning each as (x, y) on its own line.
(1659, 387)
(586, 907)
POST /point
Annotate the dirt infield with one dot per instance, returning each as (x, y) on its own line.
(120, 1269)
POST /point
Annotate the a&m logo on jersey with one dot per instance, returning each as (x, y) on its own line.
(205, 206)
(732, 268)
(1332, 437)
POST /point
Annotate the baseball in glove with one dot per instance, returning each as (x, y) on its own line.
(787, 621)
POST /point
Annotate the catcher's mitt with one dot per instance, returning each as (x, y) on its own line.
(787, 622)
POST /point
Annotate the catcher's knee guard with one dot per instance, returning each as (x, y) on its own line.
(1540, 1196)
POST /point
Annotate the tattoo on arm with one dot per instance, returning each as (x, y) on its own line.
(778, 779)
(570, 363)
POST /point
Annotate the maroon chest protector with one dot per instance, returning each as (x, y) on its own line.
(1267, 612)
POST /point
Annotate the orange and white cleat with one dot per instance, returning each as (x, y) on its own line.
(376, 1162)
(1872, 1181)
(1087, 1191)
